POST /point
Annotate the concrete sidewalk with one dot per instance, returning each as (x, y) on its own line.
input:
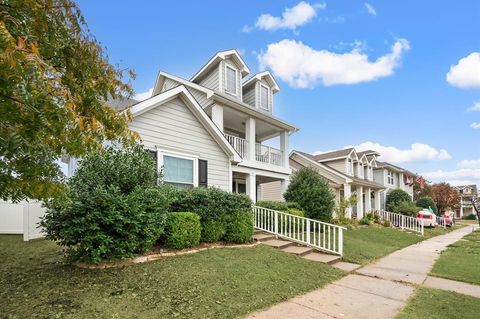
(378, 290)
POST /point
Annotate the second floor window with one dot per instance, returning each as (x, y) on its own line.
(264, 97)
(390, 177)
(231, 80)
(349, 166)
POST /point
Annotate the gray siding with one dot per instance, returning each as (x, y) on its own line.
(174, 127)
(198, 95)
(339, 165)
(379, 176)
(211, 80)
(249, 96)
(169, 84)
(272, 191)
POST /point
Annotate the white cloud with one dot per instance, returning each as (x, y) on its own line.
(475, 125)
(302, 66)
(464, 176)
(469, 164)
(475, 107)
(370, 9)
(143, 95)
(291, 18)
(466, 73)
(418, 152)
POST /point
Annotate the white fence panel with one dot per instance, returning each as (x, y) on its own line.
(11, 218)
(313, 233)
(32, 212)
(402, 221)
(22, 218)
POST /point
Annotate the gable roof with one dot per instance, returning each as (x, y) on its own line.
(269, 78)
(369, 153)
(333, 155)
(182, 92)
(164, 75)
(222, 55)
(394, 168)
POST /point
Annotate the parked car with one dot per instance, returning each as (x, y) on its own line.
(428, 217)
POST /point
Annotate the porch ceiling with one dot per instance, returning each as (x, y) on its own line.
(235, 120)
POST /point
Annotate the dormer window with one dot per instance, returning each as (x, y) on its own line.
(264, 97)
(230, 80)
(349, 166)
(360, 170)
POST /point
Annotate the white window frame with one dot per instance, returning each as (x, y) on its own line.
(226, 80)
(194, 158)
(390, 178)
(268, 97)
(360, 169)
(349, 164)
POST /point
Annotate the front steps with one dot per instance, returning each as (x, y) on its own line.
(303, 251)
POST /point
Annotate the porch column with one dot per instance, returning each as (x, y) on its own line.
(251, 186)
(377, 200)
(284, 148)
(368, 200)
(284, 185)
(217, 116)
(347, 192)
(360, 202)
(250, 137)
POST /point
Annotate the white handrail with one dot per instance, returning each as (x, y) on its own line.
(311, 232)
(239, 144)
(402, 221)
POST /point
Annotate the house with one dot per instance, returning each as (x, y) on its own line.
(350, 172)
(216, 128)
(468, 193)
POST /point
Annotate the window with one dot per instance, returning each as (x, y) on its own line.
(349, 166)
(230, 80)
(360, 169)
(390, 177)
(178, 171)
(264, 96)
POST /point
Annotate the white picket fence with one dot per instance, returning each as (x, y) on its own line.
(316, 234)
(402, 221)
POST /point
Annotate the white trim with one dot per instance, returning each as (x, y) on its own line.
(182, 92)
(196, 86)
(268, 97)
(259, 77)
(194, 158)
(226, 80)
(222, 56)
(325, 167)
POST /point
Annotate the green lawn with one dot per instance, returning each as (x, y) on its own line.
(438, 304)
(365, 244)
(461, 260)
(219, 283)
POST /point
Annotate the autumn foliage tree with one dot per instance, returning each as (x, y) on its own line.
(55, 79)
(445, 196)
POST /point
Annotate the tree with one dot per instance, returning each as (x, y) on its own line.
(312, 193)
(427, 202)
(421, 188)
(476, 204)
(395, 197)
(445, 196)
(55, 80)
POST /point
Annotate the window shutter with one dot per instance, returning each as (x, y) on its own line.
(202, 173)
(154, 155)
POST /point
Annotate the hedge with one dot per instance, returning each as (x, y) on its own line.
(182, 230)
(276, 205)
(239, 227)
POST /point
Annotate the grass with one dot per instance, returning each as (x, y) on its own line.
(365, 244)
(439, 304)
(460, 261)
(226, 283)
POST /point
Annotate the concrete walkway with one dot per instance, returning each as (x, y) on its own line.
(378, 290)
(453, 285)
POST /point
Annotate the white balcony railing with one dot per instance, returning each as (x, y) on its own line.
(269, 155)
(313, 233)
(263, 153)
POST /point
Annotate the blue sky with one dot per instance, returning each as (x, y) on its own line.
(371, 73)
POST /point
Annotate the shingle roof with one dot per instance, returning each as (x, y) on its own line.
(334, 154)
(383, 164)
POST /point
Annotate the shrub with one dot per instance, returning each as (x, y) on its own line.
(386, 223)
(364, 221)
(275, 205)
(342, 205)
(111, 209)
(296, 212)
(239, 227)
(370, 216)
(406, 208)
(395, 197)
(312, 193)
(212, 231)
(427, 202)
(470, 217)
(182, 230)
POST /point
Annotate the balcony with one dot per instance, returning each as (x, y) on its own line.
(263, 153)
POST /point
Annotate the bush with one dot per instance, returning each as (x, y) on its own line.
(386, 223)
(212, 231)
(470, 217)
(182, 230)
(427, 202)
(364, 221)
(107, 213)
(239, 227)
(406, 208)
(395, 197)
(275, 205)
(312, 193)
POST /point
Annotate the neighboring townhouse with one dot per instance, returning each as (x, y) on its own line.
(211, 130)
(468, 193)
